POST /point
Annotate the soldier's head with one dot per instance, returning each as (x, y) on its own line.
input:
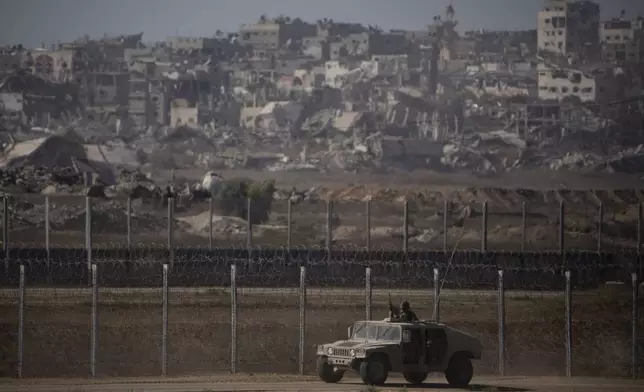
(404, 306)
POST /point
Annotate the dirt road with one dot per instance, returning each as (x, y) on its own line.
(309, 384)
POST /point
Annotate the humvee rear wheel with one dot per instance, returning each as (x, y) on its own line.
(374, 371)
(459, 371)
(327, 373)
(415, 378)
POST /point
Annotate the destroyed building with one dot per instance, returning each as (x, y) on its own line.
(622, 40)
(286, 94)
(569, 28)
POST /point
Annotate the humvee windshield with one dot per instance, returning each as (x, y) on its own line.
(366, 331)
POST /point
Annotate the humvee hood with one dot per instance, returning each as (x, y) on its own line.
(359, 344)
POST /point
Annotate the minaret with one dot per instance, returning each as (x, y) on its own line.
(449, 14)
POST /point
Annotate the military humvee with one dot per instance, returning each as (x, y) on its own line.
(375, 348)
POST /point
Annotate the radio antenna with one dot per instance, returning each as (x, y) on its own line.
(442, 283)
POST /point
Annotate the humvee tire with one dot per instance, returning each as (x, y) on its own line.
(415, 378)
(374, 370)
(459, 371)
(327, 373)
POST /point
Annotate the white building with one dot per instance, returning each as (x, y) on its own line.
(568, 27)
(600, 83)
(557, 84)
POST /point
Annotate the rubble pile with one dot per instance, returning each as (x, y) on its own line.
(107, 218)
(627, 161)
(32, 179)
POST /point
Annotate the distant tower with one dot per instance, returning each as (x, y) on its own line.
(449, 14)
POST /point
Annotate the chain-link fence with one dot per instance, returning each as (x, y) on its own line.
(161, 297)
(266, 311)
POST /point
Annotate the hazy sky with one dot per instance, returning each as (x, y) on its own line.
(32, 22)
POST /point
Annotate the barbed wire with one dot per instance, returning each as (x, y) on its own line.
(268, 317)
(341, 266)
(596, 245)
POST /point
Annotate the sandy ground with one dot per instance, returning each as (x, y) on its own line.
(241, 383)
(429, 179)
(57, 331)
(580, 193)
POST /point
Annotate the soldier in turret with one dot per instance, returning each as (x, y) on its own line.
(406, 314)
(403, 314)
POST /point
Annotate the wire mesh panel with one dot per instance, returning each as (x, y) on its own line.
(638, 343)
(619, 226)
(464, 225)
(268, 314)
(308, 222)
(57, 321)
(335, 299)
(387, 218)
(27, 221)
(535, 316)
(9, 303)
(199, 338)
(129, 329)
(66, 217)
(505, 222)
(425, 220)
(273, 231)
(582, 220)
(542, 223)
(468, 302)
(349, 224)
(109, 222)
(601, 321)
(149, 222)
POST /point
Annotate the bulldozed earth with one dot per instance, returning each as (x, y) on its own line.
(601, 212)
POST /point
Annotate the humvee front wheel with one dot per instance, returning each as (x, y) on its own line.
(327, 373)
(415, 378)
(374, 370)
(459, 371)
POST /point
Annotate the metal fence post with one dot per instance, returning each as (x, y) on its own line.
(233, 318)
(249, 227)
(524, 225)
(128, 208)
(21, 320)
(211, 213)
(94, 330)
(302, 345)
(368, 293)
(48, 238)
(368, 223)
(437, 293)
(445, 217)
(600, 226)
(562, 226)
(289, 225)
(329, 228)
(405, 226)
(88, 231)
(171, 231)
(640, 266)
(5, 231)
(501, 303)
(484, 228)
(164, 332)
(635, 324)
(568, 300)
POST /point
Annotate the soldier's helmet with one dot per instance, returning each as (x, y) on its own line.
(404, 306)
